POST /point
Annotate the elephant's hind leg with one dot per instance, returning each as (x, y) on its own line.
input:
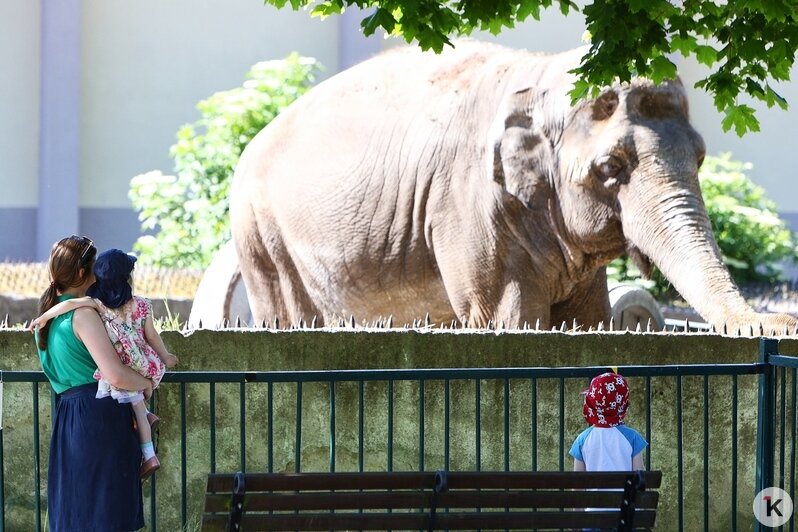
(273, 283)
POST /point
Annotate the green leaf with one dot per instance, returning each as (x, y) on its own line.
(741, 118)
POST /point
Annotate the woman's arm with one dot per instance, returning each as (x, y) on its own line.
(62, 308)
(90, 330)
(155, 341)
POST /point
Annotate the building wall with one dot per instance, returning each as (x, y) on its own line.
(141, 67)
(19, 125)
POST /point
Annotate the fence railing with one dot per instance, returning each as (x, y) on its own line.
(713, 446)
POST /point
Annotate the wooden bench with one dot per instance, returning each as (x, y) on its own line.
(430, 501)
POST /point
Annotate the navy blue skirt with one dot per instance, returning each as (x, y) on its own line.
(93, 480)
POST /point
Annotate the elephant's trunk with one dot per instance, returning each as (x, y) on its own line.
(668, 222)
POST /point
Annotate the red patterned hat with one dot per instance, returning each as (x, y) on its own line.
(606, 400)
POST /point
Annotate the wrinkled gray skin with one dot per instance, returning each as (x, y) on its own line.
(465, 185)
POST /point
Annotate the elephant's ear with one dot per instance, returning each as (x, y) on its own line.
(519, 154)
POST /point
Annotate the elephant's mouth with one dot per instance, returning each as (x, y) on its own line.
(641, 260)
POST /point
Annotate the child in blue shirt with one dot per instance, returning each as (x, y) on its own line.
(607, 444)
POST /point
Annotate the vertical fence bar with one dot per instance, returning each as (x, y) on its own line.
(734, 454)
(390, 425)
(446, 443)
(562, 424)
(706, 453)
(361, 434)
(783, 423)
(242, 420)
(153, 480)
(506, 424)
(534, 393)
(213, 425)
(421, 413)
(2, 485)
(332, 426)
(270, 421)
(679, 454)
(298, 436)
(648, 422)
(793, 433)
(37, 486)
(478, 420)
(183, 454)
(767, 408)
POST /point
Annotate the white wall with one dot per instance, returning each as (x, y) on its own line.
(19, 102)
(146, 63)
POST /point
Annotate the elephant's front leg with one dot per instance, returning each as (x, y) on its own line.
(482, 289)
(588, 304)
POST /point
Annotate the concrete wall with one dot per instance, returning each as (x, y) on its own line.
(325, 349)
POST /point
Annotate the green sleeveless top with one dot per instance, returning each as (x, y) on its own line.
(66, 362)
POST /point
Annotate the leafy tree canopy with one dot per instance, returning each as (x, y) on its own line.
(749, 44)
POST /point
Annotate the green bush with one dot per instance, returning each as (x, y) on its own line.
(189, 210)
(753, 240)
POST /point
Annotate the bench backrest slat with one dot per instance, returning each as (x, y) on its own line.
(264, 502)
(410, 480)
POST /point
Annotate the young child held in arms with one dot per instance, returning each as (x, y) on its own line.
(607, 444)
(128, 321)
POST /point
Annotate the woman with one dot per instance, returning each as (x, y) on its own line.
(93, 479)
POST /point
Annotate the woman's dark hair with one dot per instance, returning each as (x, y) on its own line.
(67, 258)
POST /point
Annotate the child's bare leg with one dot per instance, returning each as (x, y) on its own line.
(140, 409)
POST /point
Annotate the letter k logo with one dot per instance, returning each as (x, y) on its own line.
(772, 506)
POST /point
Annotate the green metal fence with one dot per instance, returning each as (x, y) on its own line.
(426, 419)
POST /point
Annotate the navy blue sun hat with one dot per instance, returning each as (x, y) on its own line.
(112, 272)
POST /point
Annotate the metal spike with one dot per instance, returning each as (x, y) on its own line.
(276, 323)
(562, 327)
(341, 323)
(553, 328)
(751, 327)
(786, 330)
(762, 329)
(648, 325)
(313, 322)
(453, 324)
(199, 324)
(501, 325)
(490, 325)
(303, 324)
(739, 332)
(725, 329)
(638, 328)
(712, 329)
(772, 332)
(796, 330)
(427, 320)
(575, 326)
(415, 323)
(390, 322)
(686, 325)
(600, 326)
(590, 329)
(464, 321)
(612, 323)
(537, 324)
(525, 327)
(352, 320)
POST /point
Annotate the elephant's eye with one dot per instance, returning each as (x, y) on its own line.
(608, 166)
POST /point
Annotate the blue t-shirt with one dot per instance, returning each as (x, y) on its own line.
(608, 448)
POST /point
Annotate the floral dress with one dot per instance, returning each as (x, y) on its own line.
(125, 327)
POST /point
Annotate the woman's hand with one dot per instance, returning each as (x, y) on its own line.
(147, 391)
(37, 323)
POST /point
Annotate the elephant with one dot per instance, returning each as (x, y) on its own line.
(467, 185)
